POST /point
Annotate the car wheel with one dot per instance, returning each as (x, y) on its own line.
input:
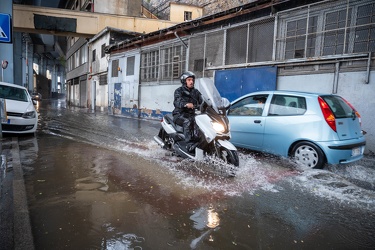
(308, 155)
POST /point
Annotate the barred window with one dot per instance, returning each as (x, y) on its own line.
(150, 66)
(298, 43)
(115, 68)
(163, 64)
(250, 43)
(236, 45)
(173, 62)
(260, 41)
(332, 29)
(365, 30)
(196, 53)
(335, 41)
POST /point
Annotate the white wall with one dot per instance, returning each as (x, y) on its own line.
(158, 97)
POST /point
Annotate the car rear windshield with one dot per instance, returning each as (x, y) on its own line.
(12, 93)
(338, 106)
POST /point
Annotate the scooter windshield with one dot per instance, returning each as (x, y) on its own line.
(209, 92)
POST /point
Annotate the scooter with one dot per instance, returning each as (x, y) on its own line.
(211, 128)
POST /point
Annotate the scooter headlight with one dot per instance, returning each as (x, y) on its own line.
(218, 127)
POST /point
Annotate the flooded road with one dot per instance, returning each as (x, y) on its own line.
(95, 181)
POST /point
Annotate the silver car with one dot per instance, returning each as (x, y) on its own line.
(314, 129)
(18, 115)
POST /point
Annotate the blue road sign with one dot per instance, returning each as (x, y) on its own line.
(5, 28)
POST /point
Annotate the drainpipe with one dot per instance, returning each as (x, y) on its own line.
(368, 68)
(336, 78)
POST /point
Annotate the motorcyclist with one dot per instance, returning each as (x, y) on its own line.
(186, 98)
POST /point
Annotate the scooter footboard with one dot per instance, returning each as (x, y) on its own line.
(227, 144)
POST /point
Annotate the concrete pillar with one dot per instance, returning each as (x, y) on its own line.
(6, 49)
(29, 58)
(19, 71)
(63, 81)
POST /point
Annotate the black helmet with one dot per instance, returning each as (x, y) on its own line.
(185, 75)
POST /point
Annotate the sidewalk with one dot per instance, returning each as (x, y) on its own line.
(15, 227)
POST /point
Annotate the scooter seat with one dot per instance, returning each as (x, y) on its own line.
(177, 127)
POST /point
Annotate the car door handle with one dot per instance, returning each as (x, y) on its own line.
(257, 121)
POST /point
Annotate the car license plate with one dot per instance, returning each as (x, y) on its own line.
(357, 151)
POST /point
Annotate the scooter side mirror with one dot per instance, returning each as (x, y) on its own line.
(225, 102)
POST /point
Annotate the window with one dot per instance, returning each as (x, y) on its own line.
(12, 93)
(331, 29)
(338, 106)
(103, 50)
(115, 68)
(84, 53)
(188, 15)
(236, 45)
(103, 79)
(163, 64)
(77, 58)
(260, 42)
(287, 105)
(249, 106)
(298, 43)
(250, 43)
(94, 55)
(150, 66)
(130, 61)
(365, 30)
(173, 61)
(335, 30)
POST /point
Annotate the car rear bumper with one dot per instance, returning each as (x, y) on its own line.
(344, 151)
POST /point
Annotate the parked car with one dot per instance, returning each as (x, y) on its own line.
(314, 129)
(21, 116)
(36, 96)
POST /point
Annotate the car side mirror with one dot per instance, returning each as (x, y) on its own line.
(34, 101)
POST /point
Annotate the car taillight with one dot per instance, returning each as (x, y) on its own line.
(355, 111)
(327, 113)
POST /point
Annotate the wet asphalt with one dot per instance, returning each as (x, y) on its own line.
(72, 187)
(15, 232)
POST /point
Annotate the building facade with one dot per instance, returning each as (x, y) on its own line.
(322, 46)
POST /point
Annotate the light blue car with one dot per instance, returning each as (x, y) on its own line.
(314, 129)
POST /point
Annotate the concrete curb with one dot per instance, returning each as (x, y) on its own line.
(23, 238)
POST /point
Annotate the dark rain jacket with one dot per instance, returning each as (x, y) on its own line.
(182, 96)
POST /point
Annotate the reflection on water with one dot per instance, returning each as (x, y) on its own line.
(126, 241)
(204, 219)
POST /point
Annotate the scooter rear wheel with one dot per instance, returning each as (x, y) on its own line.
(165, 137)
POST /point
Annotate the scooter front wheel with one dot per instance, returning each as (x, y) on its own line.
(229, 156)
